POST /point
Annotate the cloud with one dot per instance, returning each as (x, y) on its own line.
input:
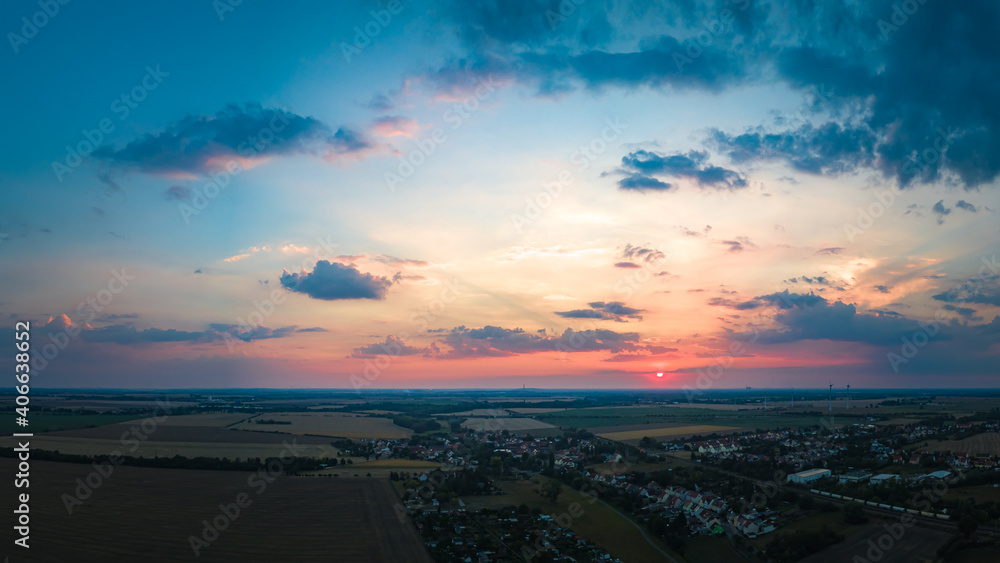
(393, 346)
(830, 250)
(984, 291)
(642, 253)
(312, 329)
(913, 101)
(883, 288)
(941, 211)
(739, 244)
(237, 134)
(179, 193)
(399, 262)
(962, 204)
(332, 281)
(782, 300)
(394, 125)
(614, 310)
(641, 165)
(493, 341)
(626, 265)
(828, 149)
(127, 334)
(640, 183)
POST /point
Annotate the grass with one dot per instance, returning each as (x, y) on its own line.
(47, 422)
(599, 523)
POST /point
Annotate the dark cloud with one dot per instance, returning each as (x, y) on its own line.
(830, 250)
(312, 329)
(640, 183)
(642, 253)
(782, 300)
(883, 288)
(967, 312)
(693, 166)
(179, 193)
(962, 204)
(199, 144)
(492, 341)
(827, 149)
(983, 291)
(941, 211)
(739, 244)
(332, 280)
(909, 95)
(393, 346)
(626, 265)
(614, 310)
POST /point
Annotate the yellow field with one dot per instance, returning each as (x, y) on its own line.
(329, 424)
(662, 432)
(150, 448)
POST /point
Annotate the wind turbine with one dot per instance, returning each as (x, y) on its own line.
(831, 397)
(848, 397)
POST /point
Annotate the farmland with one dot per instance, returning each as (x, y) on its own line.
(665, 432)
(986, 443)
(159, 448)
(607, 417)
(50, 422)
(331, 424)
(599, 522)
(149, 514)
(509, 424)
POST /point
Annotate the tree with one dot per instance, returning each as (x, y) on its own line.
(551, 489)
(967, 525)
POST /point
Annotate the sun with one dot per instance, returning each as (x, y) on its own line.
(659, 374)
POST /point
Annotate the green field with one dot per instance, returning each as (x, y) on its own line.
(46, 422)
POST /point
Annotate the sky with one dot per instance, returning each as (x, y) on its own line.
(576, 194)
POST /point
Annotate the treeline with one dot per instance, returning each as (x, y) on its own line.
(415, 424)
(292, 467)
(271, 421)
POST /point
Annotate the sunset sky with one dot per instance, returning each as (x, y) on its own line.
(498, 194)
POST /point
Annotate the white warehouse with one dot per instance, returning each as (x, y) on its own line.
(808, 475)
